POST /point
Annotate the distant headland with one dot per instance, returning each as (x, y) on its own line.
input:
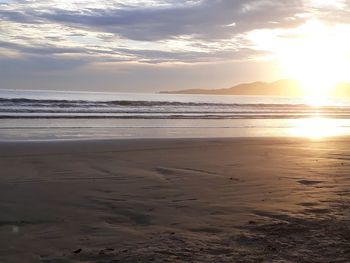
(284, 87)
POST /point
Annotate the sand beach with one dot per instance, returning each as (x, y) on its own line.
(182, 200)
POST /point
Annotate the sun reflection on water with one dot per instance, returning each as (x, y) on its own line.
(317, 128)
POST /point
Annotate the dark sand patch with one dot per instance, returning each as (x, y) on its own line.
(309, 182)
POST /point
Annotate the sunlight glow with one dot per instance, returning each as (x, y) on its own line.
(316, 54)
(317, 128)
(317, 57)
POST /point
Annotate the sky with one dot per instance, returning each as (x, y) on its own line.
(154, 45)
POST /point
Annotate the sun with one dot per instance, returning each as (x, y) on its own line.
(316, 55)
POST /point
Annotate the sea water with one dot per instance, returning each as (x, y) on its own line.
(48, 115)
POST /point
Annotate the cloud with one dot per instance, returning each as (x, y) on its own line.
(41, 50)
(206, 19)
(40, 36)
(148, 31)
(332, 12)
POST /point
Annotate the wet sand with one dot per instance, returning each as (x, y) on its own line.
(204, 200)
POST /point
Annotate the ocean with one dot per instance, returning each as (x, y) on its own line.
(53, 115)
